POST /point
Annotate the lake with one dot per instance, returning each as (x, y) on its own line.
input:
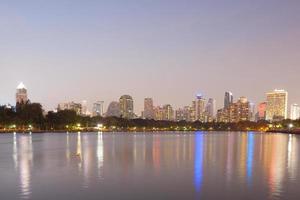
(201, 165)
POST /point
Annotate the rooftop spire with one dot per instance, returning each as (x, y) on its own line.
(21, 86)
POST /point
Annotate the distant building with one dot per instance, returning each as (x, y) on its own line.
(148, 109)
(252, 111)
(113, 110)
(184, 114)
(98, 109)
(77, 107)
(84, 108)
(277, 102)
(228, 99)
(261, 111)
(158, 113)
(21, 94)
(295, 112)
(236, 112)
(179, 114)
(210, 110)
(126, 107)
(168, 113)
(199, 108)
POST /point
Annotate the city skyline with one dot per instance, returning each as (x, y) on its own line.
(165, 50)
(275, 107)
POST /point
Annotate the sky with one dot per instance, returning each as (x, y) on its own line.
(169, 50)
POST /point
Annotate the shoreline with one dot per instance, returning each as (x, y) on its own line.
(295, 132)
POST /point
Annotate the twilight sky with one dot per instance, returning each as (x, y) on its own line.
(166, 49)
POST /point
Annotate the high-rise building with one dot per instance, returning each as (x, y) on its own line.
(277, 102)
(98, 108)
(158, 113)
(228, 99)
(210, 110)
(179, 114)
(199, 108)
(261, 111)
(168, 113)
(295, 112)
(113, 110)
(126, 107)
(21, 94)
(252, 111)
(148, 109)
(84, 110)
(77, 107)
(236, 112)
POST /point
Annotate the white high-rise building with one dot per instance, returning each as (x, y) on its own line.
(295, 112)
(210, 110)
(277, 103)
(199, 108)
(21, 94)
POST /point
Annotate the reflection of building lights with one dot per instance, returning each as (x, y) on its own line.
(250, 154)
(198, 168)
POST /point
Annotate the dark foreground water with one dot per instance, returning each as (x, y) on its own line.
(150, 166)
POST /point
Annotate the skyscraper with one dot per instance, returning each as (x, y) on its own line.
(262, 107)
(277, 102)
(113, 109)
(199, 108)
(98, 108)
(21, 94)
(148, 109)
(168, 113)
(228, 99)
(84, 110)
(210, 110)
(295, 112)
(126, 107)
(252, 111)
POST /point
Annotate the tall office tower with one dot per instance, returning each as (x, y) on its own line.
(199, 108)
(148, 109)
(210, 110)
(21, 94)
(261, 111)
(98, 108)
(126, 107)
(277, 102)
(252, 111)
(113, 110)
(228, 99)
(295, 112)
(168, 113)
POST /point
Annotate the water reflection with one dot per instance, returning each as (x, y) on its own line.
(23, 160)
(200, 164)
(250, 155)
(198, 170)
(100, 155)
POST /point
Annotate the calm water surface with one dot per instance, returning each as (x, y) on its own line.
(150, 166)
